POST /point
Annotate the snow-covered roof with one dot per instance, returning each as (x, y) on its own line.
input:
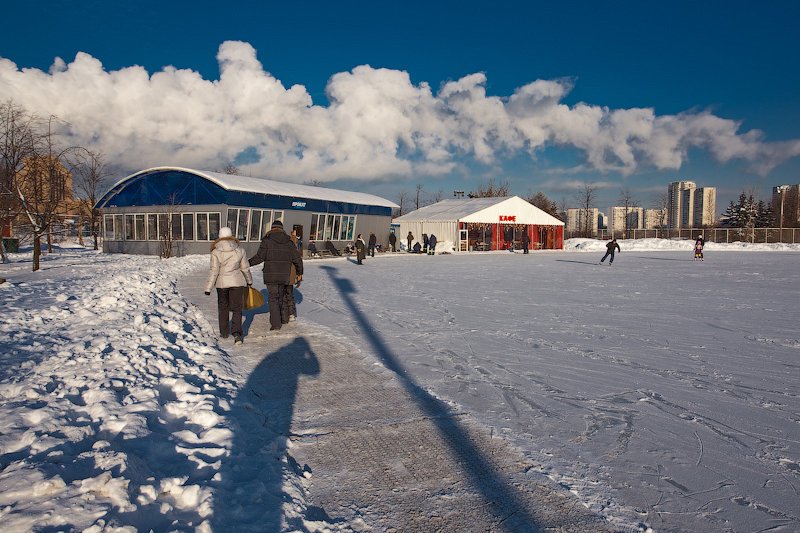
(481, 210)
(277, 188)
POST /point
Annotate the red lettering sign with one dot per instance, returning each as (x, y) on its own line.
(508, 218)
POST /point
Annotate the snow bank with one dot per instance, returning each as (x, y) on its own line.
(114, 410)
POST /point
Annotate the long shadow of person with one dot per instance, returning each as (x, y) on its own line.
(250, 494)
(505, 503)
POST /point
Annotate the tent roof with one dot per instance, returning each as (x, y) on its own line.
(481, 210)
(277, 188)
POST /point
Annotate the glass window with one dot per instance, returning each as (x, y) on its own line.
(188, 226)
(241, 227)
(213, 226)
(233, 215)
(140, 233)
(351, 228)
(130, 228)
(152, 227)
(266, 222)
(328, 227)
(177, 232)
(312, 233)
(119, 221)
(108, 223)
(278, 215)
(202, 226)
(163, 225)
(255, 225)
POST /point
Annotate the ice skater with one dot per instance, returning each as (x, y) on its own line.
(698, 248)
(610, 247)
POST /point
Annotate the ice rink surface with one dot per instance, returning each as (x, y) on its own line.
(658, 389)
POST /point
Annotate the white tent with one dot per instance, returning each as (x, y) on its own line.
(444, 218)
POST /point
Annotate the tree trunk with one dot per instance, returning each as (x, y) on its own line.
(49, 243)
(3, 256)
(37, 251)
(94, 236)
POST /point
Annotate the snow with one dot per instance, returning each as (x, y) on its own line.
(660, 391)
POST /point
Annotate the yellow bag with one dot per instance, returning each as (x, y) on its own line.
(253, 298)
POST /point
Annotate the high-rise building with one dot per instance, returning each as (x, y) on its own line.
(680, 204)
(579, 219)
(689, 206)
(705, 207)
(617, 218)
(655, 218)
(786, 204)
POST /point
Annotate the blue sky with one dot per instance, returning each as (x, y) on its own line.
(732, 60)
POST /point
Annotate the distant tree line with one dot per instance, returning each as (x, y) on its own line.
(749, 213)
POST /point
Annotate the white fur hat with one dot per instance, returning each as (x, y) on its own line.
(225, 232)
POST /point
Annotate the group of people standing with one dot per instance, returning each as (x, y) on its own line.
(428, 245)
(230, 274)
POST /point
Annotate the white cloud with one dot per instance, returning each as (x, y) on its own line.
(378, 123)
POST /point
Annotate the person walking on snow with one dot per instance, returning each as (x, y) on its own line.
(278, 253)
(373, 240)
(699, 244)
(525, 241)
(611, 246)
(230, 274)
(361, 249)
(393, 242)
(410, 239)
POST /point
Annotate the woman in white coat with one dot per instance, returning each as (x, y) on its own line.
(230, 273)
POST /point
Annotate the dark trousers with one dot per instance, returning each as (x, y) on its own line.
(524, 248)
(288, 298)
(611, 253)
(371, 251)
(230, 300)
(392, 246)
(278, 310)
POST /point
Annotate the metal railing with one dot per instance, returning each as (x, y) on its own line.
(721, 235)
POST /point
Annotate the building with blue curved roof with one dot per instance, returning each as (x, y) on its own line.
(187, 207)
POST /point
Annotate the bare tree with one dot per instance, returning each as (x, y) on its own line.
(540, 200)
(402, 197)
(314, 183)
(438, 196)
(491, 189)
(42, 187)
(17, 144)
(91, 172)
(586, 197)
(628, 201)
(231, 168)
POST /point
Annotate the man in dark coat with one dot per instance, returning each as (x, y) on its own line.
(432, 244)
(278, 253)
(393, 242)
(373, 240)
(611, 246)
(410, 238)
(525, 241)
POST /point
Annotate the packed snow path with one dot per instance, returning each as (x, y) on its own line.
(380, 452)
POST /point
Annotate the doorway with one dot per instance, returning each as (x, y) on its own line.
(297, 229)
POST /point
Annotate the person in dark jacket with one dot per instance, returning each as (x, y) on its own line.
(432, 244)
(373, 240)
(361, 249)
(425, 243)
(393, 242)
(410, 239)
(525, 241)
(278, 253)
(611, 246)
